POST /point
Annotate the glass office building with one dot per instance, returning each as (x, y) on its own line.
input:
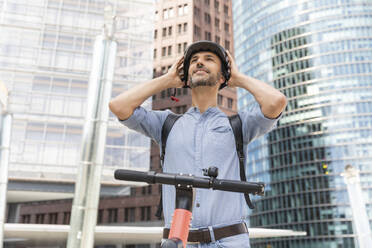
(319, 54)
(45, 60)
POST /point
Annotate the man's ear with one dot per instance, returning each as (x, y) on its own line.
(221, 79)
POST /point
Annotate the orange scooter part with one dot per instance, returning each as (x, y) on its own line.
(180, 225)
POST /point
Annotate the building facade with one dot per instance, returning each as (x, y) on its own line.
(319, 54)
(45, 61)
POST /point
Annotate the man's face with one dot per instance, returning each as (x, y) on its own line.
(204, 70)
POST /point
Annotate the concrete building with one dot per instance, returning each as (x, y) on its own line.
(45, 60)
(319, 54)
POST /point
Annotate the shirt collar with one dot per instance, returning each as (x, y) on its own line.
(210, 110)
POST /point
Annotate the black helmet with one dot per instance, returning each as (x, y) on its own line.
(207, 46)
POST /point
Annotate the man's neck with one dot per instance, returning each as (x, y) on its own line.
(204, 97)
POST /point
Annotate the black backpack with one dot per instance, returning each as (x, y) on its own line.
(236, 125)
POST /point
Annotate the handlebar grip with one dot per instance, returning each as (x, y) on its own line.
(136, 176)
(242, 187)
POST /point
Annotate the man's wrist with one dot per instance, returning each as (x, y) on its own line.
(166, 81)
(241, 80)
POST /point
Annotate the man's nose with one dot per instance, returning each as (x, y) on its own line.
(199, 63)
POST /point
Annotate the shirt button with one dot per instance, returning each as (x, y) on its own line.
(197, 205)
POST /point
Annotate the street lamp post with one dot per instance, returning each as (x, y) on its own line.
(5, 133)
(87, 187)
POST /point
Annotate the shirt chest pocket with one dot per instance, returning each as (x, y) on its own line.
(221, 135)
(221, 129)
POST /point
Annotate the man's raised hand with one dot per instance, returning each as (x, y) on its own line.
(175, 73)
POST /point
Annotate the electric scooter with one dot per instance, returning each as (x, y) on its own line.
(184, 184)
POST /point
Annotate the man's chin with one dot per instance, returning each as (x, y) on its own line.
(201, 84)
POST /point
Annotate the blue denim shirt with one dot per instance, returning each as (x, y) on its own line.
(196, 142)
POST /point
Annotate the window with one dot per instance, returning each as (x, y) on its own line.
(207, 18)
(171, 12)
(217, 39)
(219, 99)
(155, 34)
(40, 218)
(169, 50)
(196, 11)
(145, 213)
(226, 27)
(227, 44)
(217, 23)
(208, 35)
(165, 14)
(216, 5)
(226, 9)
(178, 109)
(154, 53)
(179, 30)
(179, 48)
(185, 9)
(129, 214)
(206, 2)
(66, 218)
(113, 215)
(156, 16)
(26, 218)
(53, 218)
(163, 51)
(185, 27)
(164, 32)
(180, 10)
(229, 103)
(170, 30)
(100, 216)
(196, 30)
(132, 191)
(184, 46)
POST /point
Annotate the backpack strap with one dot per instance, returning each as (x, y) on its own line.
(167, 127)
(236, 124)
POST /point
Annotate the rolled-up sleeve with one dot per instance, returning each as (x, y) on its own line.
(147, 122)
(255, 124)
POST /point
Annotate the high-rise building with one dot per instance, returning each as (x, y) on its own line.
(177, 25)
(319, 54)
(45, 61)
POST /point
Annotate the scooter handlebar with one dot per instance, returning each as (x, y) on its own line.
(152, 177)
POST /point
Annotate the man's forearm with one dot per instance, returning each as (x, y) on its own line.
(271, 100)
(124, 104)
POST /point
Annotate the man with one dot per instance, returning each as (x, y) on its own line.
(203, 137)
